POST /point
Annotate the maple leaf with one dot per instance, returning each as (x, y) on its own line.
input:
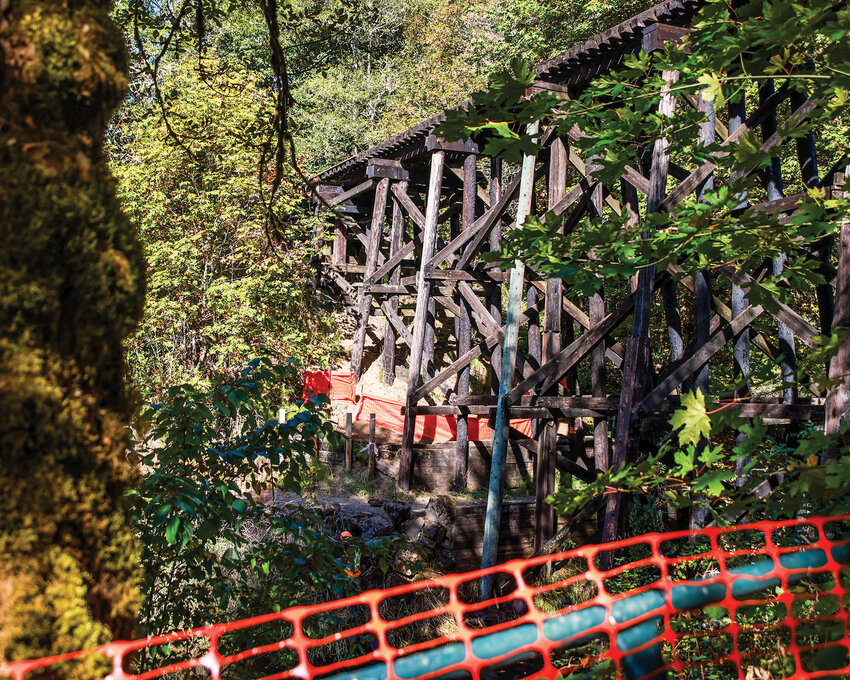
(691, 419)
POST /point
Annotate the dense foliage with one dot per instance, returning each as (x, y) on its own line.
(219, 291)
(214, 548)
(801, 50)
(71, 289)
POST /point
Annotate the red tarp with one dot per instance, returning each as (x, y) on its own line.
(429, 427)
(337, 385)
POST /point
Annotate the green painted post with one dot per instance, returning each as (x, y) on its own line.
(509, 351)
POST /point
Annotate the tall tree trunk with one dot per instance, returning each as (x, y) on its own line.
(71, 289)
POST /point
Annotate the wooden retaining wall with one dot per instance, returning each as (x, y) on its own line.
(516, 537)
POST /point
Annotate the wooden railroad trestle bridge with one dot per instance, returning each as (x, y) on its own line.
(414, 213)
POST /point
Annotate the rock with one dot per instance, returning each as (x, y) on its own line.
(398, 511)
(414, 526)
(441, 510)
(344, 514)
(433, 535)
(372, 524)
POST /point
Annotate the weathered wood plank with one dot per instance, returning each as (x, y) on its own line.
(838, 398)
(494, 296)
(365, 303)
(698, 176)
(349, 443)
(696, 357)
(391, 264)
(429, 242)
(474, 352)
(547, 454)
(361, 188)
(409, 206)
(566, 407)
(808, 160)
(383, 167)
(801, 328)
(637, 355)
(396, 235)
(464, 324)
(614, 351)
(551, 372)
(339, 255)
(482, 224)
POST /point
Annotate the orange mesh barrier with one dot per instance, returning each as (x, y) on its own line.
(337, 385)
(759, 601)
(433, 428)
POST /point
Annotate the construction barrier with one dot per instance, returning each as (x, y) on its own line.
(431, 428)
(755, 602)
(336, 385)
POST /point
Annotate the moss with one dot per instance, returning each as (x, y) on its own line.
(71, 289)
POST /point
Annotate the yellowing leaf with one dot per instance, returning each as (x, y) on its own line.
(713, 91)
(691, 419)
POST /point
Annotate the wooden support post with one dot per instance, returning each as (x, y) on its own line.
(596, 313)
(365, 304)
(395, 278)
(741, 368)
(545, 524)
(533, 330)
(494, 302)
(672, 315)
(702, 281)
(372, 447)
(464, 328)
(430, 335)
(773, 187)
(500, 428)
(703, 297)
(838, 398)
(340, 249)
(637, 350)
(423, 287)
(808, 159)
(349, 445)
(739, 303)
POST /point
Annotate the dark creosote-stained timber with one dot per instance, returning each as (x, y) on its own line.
(479, 341)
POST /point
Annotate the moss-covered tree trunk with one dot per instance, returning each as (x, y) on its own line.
(71, 288)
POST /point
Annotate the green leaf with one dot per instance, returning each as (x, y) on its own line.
(691, 419)
(713, 89)
(171, 530)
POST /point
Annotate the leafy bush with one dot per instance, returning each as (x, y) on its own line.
(213, 550)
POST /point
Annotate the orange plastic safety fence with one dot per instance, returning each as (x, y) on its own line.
(758, 601)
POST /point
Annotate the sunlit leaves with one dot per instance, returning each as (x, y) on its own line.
(218, 293)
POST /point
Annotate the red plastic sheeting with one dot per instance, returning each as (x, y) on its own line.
(337, 385)
(783, 631)
(432, 428)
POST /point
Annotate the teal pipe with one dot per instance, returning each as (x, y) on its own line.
(493, 516)
(570, 628)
